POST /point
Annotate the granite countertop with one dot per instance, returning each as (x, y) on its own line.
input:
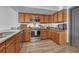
(10, 34)
(55, 29)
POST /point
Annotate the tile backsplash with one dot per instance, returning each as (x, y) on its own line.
(55, 25)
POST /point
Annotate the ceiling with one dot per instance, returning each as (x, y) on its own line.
(37, 9)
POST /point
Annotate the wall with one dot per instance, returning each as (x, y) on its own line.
(68, 18)
(8, 18)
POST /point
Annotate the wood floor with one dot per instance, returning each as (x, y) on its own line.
(46, 46)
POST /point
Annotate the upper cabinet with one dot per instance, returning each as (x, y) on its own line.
(51, 19)
(27, 17)
(61, 17)
(41, 18)
(21, 17)
(55, 18)
(58, 17)
(46, 19)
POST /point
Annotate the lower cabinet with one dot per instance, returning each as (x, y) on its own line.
(49, 33)
(10, 48)
(2, 47)
(17, 46)
(59, 37)
(11, 45)
(43, 34)
(27, 35)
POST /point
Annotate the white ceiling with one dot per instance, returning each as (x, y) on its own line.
(37, 9)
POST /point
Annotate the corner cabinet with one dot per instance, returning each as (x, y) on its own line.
(59, 37)
(58, 17)
(61, 16)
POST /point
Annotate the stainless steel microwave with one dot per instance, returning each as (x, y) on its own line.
(62, 26)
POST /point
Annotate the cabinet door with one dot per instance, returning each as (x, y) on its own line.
(55, 18)
(46, 19)
(27, 17)
(53, 36)
(61, 16)
(2, 47)
(41, 18)
(17, 46)
(49, 34)
(21, 17)
(51, 19)
(43, 34)
(10, 48)
(17, 42)
(57, 38)
(26, 35)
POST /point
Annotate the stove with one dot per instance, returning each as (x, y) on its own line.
(35, 34)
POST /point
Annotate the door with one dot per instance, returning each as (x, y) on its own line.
(74, 27)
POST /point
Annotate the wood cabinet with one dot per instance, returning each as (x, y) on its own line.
(41, 18)
(10, 48)
(58, 17)
(49, 33)
(17, 42)
(21, 17)
(61, 16)
(2, 47)
(43, 33)
(11, 45)
(27, 17)
(55, 18)
(46, 19)
(59, 37)
(55, 37)
(51, 19)
(27, 35)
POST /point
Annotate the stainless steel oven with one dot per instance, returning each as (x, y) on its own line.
(35, 35)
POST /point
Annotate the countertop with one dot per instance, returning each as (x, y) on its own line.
(8, 36)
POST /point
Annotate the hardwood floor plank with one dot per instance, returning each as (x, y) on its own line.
(46, 46)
